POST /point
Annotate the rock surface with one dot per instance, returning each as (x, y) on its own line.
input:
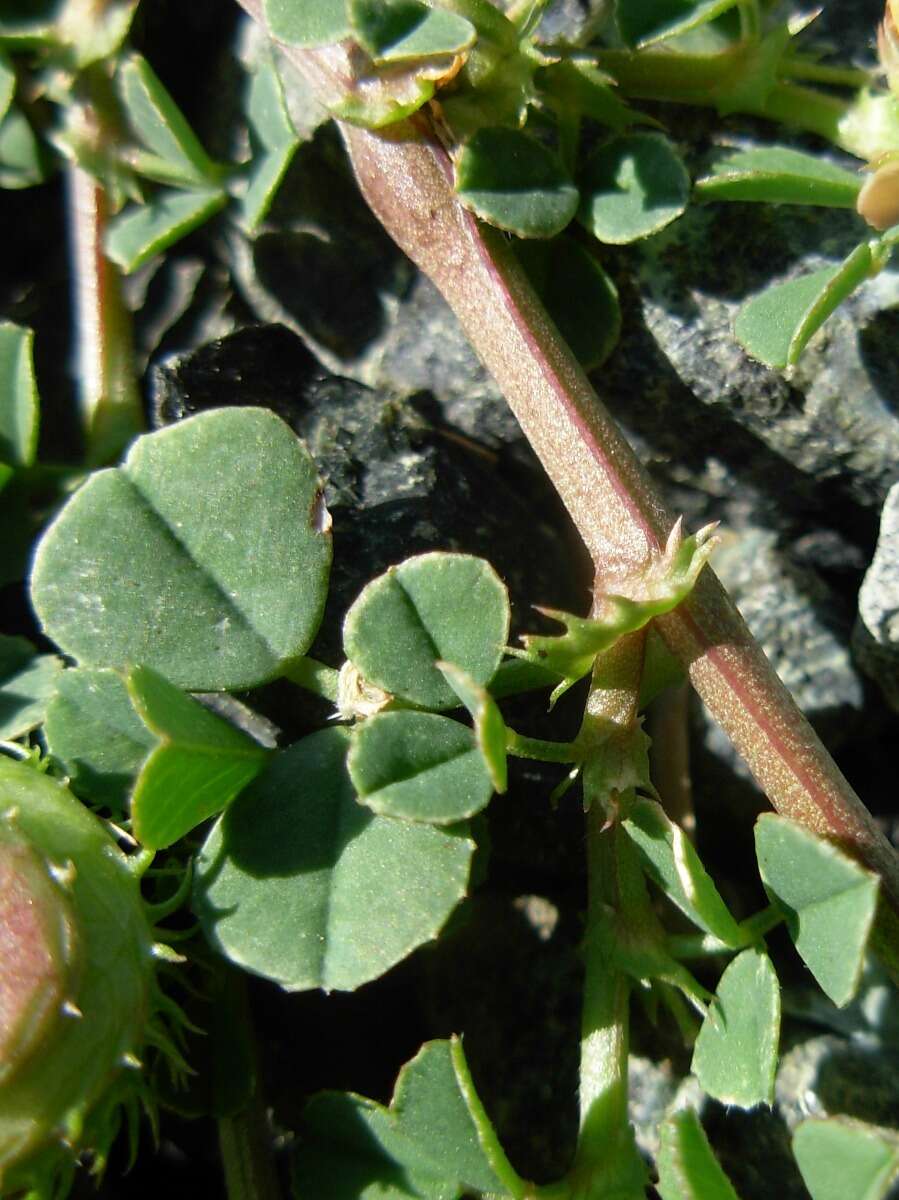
(876, 634)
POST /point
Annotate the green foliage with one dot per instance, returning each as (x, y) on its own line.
(846, 1160)
(688, 1170)
(489, 727)
(511, 180)
(19, 403)
(138, 234)
(197, 768)
(420, 766)
(214, 529)
(673, 865)
(631, 186)
(96, 737)
(446, 607)
(300, 883)
(23, 160)
(776, 325)
(274, 139)
(779, 175)
(27, 681)
(7, 84)
(398, 30)
(434, 1142)
(644, 22)
(829, 901)
(307, 22)
(735, 1057)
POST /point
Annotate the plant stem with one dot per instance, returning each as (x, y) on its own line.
(110, 406)
(246, 1156)
(406, 176)
(543, 751)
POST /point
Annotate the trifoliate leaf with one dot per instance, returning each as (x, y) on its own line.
(142, 231)
(512, 181)
(300, 883)
(829, 899)
(419, 766)
(776, 325)
(448, 607)
(735, 1057)
(841, 1159)
(18, 396)
(671, 862)
(199, 764)
(489, 726)
(779, 175)
(27, 681)
(433, 1141)
(632, 185)
(658, 589)
(398, 30)
(688, 1169)
(204, 556)
(95, 735)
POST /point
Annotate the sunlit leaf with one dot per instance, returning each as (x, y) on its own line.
(302, 884)
(308, 22)
(23, 160)
(735, 1057)
(199, 763)
(842, 1159)
(671, 862)
(509, 179)
(96, 737)
(141, 232)
(420, 766)
(447, 607)
(428, 1143)
(829, 899)
(688, 1170)
(274, 141)
(27, 681)
(631, 186)
(397, 30)
(204, 556)
(776, 325)
(779, 175)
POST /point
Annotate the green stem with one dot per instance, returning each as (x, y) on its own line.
(315, 677)
(798, 67)
(706, 945)
(246, 1156)
(543, 751)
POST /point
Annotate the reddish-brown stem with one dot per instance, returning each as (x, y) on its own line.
(406, 177)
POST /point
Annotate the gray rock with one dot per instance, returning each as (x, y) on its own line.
(876, 634)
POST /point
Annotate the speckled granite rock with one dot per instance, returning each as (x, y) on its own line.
(876, 634)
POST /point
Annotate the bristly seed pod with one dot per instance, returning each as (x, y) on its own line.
(77, 986)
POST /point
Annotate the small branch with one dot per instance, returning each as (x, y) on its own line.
(110, 406)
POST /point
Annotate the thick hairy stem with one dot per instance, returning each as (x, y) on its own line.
(406, 177)
(110, 405)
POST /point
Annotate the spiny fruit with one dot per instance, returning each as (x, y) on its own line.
(77, 982)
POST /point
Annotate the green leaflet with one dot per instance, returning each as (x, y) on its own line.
(23, 160)
(779, 175)
(204, 556)
(673, 865)
(448, 607)
(660, 588)
(200, 762)
(27, 681)
(632, 185)
(95, 735)
(735, 1057)
(829, 899)
(19, 404)
(420, 766)
(307, 22)
(577, 293)
(7, 84)
(274, 142)
(646, 22)
(300, 883)
(141, 232)
(434, 1142)
(776, 325)
(403, 30)
(509, 179)
(841, 1159)
(489, 726)
(688, 1170)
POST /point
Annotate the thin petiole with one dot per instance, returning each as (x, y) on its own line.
(536, 748)
(706, 945)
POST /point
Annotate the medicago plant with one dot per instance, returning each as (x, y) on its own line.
(198, 565)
